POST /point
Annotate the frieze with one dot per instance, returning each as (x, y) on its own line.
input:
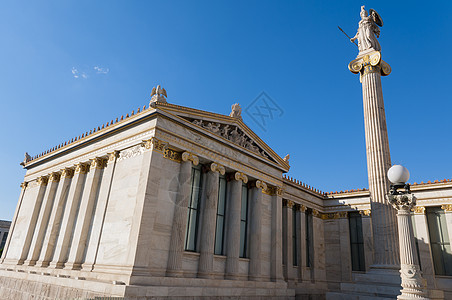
(231, 133)
(131, 152)
(172, 155)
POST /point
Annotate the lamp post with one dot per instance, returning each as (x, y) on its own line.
(413, 285)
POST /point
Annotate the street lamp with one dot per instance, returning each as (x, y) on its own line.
(413, 285)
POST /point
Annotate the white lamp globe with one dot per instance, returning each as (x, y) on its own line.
(398, 174)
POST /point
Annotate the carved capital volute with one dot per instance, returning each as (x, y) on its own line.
(54, 177)
(187, 156)
(261, 185)
(447, 207)
(67, 173)
(112, 156)
(42, 180)
(419, 209)
(97, 163)
(241, 176)
(214, 167)
(365, 213)
(81, 168)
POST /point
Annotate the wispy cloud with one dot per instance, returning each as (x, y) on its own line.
(100, 70)
(76, 73)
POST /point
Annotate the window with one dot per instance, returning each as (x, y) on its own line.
(3, 241)
(439, 241)
(416, 241)
(244, 223)
(309, 233)
(356, 241)
(193, 211)
(294, 237)
(221, 208)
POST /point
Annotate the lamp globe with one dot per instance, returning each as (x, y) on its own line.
(398, 174)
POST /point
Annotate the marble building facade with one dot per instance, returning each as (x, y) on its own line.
(176, 202)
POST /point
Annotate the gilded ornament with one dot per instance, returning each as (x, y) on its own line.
(302, 208)
(81, 168)
(186, 156)
(112, 156)
(158, 145)
(419, 209)
(290, 203)
(214, 167)
(365, 213)
(279, 191)
(98, 163)
(241, 176)
(172, 155)
(447, 207)
(42, 180)
(54, 177)
(67, 173)
(316, 213)
(23, 185)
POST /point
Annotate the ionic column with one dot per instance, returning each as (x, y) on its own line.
(23, 187)
(448, 214)
(371, 67)
(344, 241)
(233, 234)
(55, 217)
(276, 267)
(302, 242)
(69, 216)
(207, 247)
(84, 217)
(41, 225)
(420, 221)
(287, 239)
(100, 211)
(256, 229)
(176, 249)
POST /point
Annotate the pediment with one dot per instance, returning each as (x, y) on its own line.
(228, 128)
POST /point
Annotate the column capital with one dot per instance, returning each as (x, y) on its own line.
(215, 167)
(42, 180)
(279, 191)
(157, 144)
(54, 177)
(288, 203)
(112, 156)
(98, 163)
(186, 156)
(365, 213)
(302, 208)
(67, 173)
(81, 168)
(370, 63)
(316, 213)
(447, 207)
(23, 185)
(419, 209)
(241, 176)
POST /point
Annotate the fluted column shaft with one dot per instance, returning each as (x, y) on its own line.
(276, 268)
(176, 249)
(287, 239)
(233, 234)
(43, 220)
(255, 234)
(84, 218)
(55, 217)
(207, 246)
(414, 286)
(69, 216)
(378, 162)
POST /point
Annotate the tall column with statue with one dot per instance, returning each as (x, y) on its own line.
(371, 67)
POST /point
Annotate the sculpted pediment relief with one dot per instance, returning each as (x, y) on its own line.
(232, 133)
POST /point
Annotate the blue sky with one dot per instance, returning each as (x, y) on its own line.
(69, 66)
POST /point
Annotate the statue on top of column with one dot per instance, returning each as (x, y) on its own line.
(368, 31)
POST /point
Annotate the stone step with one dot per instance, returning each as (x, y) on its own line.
(370, 289)
(349, 296)
(386, 279)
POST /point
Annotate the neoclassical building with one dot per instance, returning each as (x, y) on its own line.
(175, 202)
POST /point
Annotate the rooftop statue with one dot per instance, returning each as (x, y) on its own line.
(158, 94)
(368, 31)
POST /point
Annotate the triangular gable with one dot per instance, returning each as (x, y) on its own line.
(229, 128)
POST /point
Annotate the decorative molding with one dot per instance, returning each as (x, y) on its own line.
(447, 207)
(81, 168)
(214, 167)
(67, 173)
(130, 152)
(98, 163)
(241, 176)
(334, 215)
(54, 177)
(232, 133)
(365, 213)
(112, 156)
(186, 156)
(23, 185)
(42, 180)
(159, 145)
(172, 155)
(419, 209)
